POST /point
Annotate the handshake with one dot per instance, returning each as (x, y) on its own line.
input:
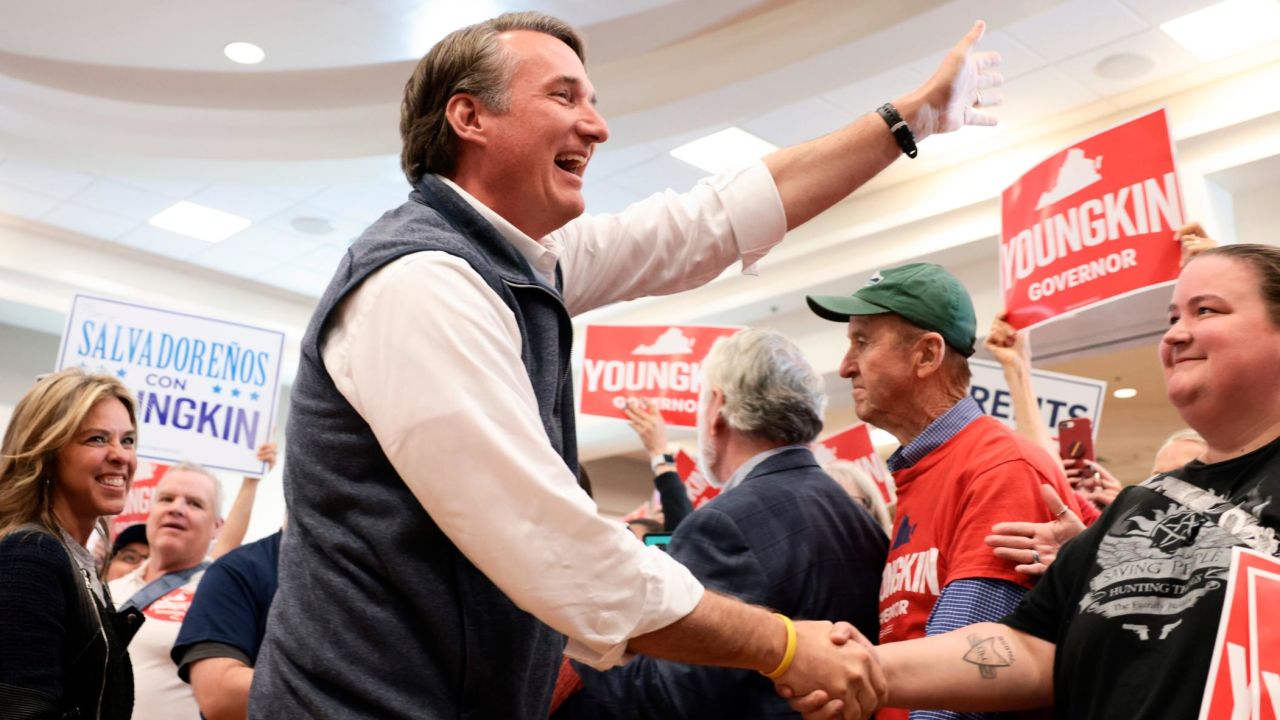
(824, 675)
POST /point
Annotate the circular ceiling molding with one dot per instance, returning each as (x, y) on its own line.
(1124, 66)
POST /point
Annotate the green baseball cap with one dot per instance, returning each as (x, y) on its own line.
(922, 293)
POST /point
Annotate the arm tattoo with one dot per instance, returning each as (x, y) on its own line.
(988, 654)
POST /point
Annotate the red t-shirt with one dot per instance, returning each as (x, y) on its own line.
(947, 503)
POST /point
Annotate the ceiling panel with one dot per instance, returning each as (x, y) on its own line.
(89, 222)
(254, 203)
(162, 242)
(1074, 27)
(24, 203)
(1040, 94)
(1155, 12)
(322, 260)
(658, 174)
(798, 122)
(364, 202)
(865, 95)
(1015, 58)
(234, 260)
(123, 200)
(603, 196)
(297, 280)
(343, 232)
(43, 179)
(273, 243)
(611, 158)
(1167, 58)
(167, 187)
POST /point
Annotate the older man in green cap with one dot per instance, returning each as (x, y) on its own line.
(958, 472)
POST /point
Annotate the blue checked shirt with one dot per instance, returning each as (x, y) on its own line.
(939, 431)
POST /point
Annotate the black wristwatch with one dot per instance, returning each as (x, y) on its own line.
(898, 126)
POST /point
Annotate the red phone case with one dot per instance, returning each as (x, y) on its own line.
(1075, 441)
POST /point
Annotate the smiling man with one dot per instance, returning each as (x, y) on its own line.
(442, 549)
(180, 528)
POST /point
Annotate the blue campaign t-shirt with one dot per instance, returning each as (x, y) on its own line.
(229, 612)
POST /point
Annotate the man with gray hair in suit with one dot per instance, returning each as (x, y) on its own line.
(781, 534)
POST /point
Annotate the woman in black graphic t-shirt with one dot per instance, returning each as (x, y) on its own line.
(1123, 623)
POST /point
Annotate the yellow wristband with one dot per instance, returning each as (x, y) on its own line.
(789, 654)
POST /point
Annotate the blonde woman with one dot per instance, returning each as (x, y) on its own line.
(67, 460)
(862, 487)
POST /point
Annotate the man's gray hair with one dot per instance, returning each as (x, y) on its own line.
(770, 391)
(202, 470)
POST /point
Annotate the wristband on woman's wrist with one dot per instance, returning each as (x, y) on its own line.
(658, 461)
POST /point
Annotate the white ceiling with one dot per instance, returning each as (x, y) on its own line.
(117, 110)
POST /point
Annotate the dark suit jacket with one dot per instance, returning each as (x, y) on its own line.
(788, 538)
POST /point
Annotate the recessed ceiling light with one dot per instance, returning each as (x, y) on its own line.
(199, 222)
(1226, 28)
(722, 150)
(244, 53)
(1124, 393)
(311, 225)
(1124, 66)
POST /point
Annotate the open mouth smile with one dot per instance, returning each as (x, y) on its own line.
(572, 163)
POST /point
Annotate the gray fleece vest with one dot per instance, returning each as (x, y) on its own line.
(378, 614)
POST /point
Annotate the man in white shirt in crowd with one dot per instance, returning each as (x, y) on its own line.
(180, 527)
(441, 548)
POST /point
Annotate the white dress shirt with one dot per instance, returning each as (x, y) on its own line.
(429, 356)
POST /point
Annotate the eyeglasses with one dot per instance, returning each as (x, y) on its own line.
(130, 557)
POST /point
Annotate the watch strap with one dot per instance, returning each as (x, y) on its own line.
(901, 131)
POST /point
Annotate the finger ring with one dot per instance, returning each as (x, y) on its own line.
(1035, 557)
(1061, 512)
(977, 102)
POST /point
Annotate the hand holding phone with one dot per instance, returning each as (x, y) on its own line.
(1075, 442)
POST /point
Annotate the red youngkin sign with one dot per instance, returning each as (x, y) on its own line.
(660, 362)
(1092, 223)
(1244, 677)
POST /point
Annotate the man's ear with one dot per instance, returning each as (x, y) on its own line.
(715, 417)
(464, 114)
(929, 352)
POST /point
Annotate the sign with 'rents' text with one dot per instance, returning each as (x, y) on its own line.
(854, 444)
(205, 388)
(661, 362)
(1244, 676)
(1059, 396)
(1093, 223)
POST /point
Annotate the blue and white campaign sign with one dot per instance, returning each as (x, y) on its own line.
(1059, 396)
(206, 388)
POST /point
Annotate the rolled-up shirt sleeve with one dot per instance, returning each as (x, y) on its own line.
(430, 358)
(671, 241)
